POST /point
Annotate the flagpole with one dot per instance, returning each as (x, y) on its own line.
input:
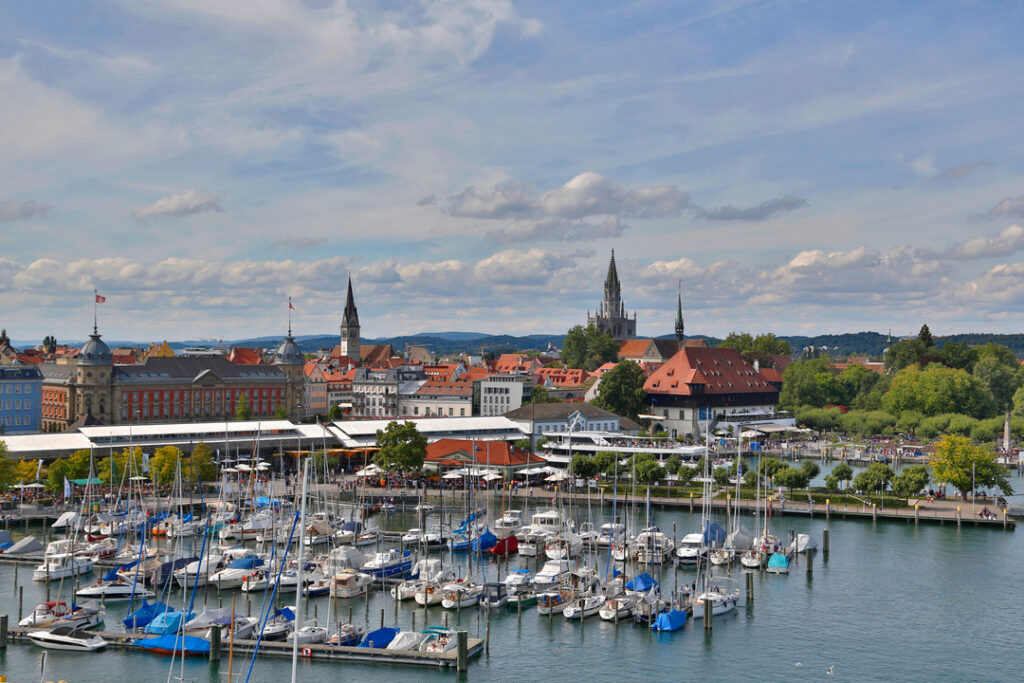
(289, 316)
(95, 307)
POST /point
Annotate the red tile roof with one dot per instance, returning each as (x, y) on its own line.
(633, 348)
(563, 377)
(240, 355)
(707, 370)
(460, 452)
(432, 388)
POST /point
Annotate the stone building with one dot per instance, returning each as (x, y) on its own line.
(610, 316)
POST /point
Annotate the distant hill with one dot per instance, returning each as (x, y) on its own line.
(444, 343)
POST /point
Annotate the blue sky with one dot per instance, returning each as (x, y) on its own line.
(801, 167)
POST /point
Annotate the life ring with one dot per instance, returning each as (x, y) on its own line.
(307, 652)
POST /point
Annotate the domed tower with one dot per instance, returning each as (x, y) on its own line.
(94, 381)
(289, 358)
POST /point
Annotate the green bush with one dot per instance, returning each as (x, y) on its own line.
(987, 430)
(961, 424)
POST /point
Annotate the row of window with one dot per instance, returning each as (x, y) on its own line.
(437, 412)
(497, 390)
(18, 387)
(18, 404)
(17, 421)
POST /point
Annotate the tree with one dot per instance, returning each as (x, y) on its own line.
(685, 475)
(605, 462)
(935, 390)
(903, 354)
(540, 395)
(622, 390)
(281, 413)
(810, 468)
(910, 481)
(588, 348)
(242, 409)
(584, 466)
(721, 476)
(925, 337)
(875, 478)
(959, 463)
(1001, 377)
(163, 466)
(649, 471)
(842, 472)
(75, 466)
(402, 447)
(334, 413)
(673, 464)
(810, 383)
(791, 478)
(959, 355)
(7, 468)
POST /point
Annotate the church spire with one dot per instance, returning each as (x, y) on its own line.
(680, 333)
(350, 327)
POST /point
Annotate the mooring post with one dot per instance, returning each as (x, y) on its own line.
(750, 587)
(917, 514)
(810, 561)
(828, 508)
(382, 617)
(21, 594)
(215, 644)
(487, 638)
(824, 540)
(15, 577)
(1004, 518)
(3, 631)
(462, 650)
(414, 621)
(691, 501)
(707, 613)
(874, 512)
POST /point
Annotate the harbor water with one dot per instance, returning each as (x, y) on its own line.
(890, 601)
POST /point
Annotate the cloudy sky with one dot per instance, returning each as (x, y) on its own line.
(801, 167)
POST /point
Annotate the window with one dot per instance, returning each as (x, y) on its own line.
(462, 412)
(17, 420)
(17, 404)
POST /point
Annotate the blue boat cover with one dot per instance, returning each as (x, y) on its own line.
(145, 614)
(356, 527)
(5, 546)
(189, 645)
(672, 620)
(168, 622)
(485, 541)
(713, 534)
(778, 560)
(246, 563)
(641, 583)
(380, 638)
(286, 613)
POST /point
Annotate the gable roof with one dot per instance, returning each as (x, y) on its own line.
(457, 452)
(245, 356)
(705, 370)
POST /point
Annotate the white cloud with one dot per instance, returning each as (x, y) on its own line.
(587, 194)
(554, 228)
(1004, 244)
(178, 206)
(1011, 207)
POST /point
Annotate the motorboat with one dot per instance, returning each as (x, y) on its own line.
(347, 533)
(280, 625)
(648, 606)
(257, 525)
(45, 613)
(553, 572)
(348, 583)
(67, 638)
(778, 563)
(87, 615)
(619, 607)
(531, 543)
(611, 533)
(669, 621)
(460, 594)
(406, 640)
(653, 546)
(235, 573)
(525, 597)
(691, 549)
(309, 634)
(342, 557)
(438, 639)
(509, 523)
(519, 580)
(802, 543)
(380, 638)
(584, 606)
(63, 568)
(722, 601)
(319, 530)
(101, 549)
(554, 602)
(168, 622)
(563, 545)
(220, 617)
(347, 635)
(388, 563)
(114, 589)
(198, 572)
(423, 574)
(494, 595)
(722, 557)
(432, 591)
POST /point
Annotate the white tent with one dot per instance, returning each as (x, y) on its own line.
(560, 476)
(491, 476)
(452, 475)
(532, 470)
(369, 471)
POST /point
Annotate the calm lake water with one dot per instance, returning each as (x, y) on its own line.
(891, 602)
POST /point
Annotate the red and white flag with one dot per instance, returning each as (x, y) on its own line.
(101, 299)
(290, 307)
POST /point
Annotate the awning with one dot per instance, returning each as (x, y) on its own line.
(84, 482)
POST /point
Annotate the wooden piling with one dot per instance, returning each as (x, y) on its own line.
(1004, 519)
(957, 516)
(21, 595)
(707, 613)
(382, 617)
(828, 509)
(3, 631)
(917, 514)
(462, 650)
(810, 561)
(750, 587)
(824, 541)
(215, 644)
(874, 512)
(487, 638)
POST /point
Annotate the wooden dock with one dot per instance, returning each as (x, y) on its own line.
(315, 652)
